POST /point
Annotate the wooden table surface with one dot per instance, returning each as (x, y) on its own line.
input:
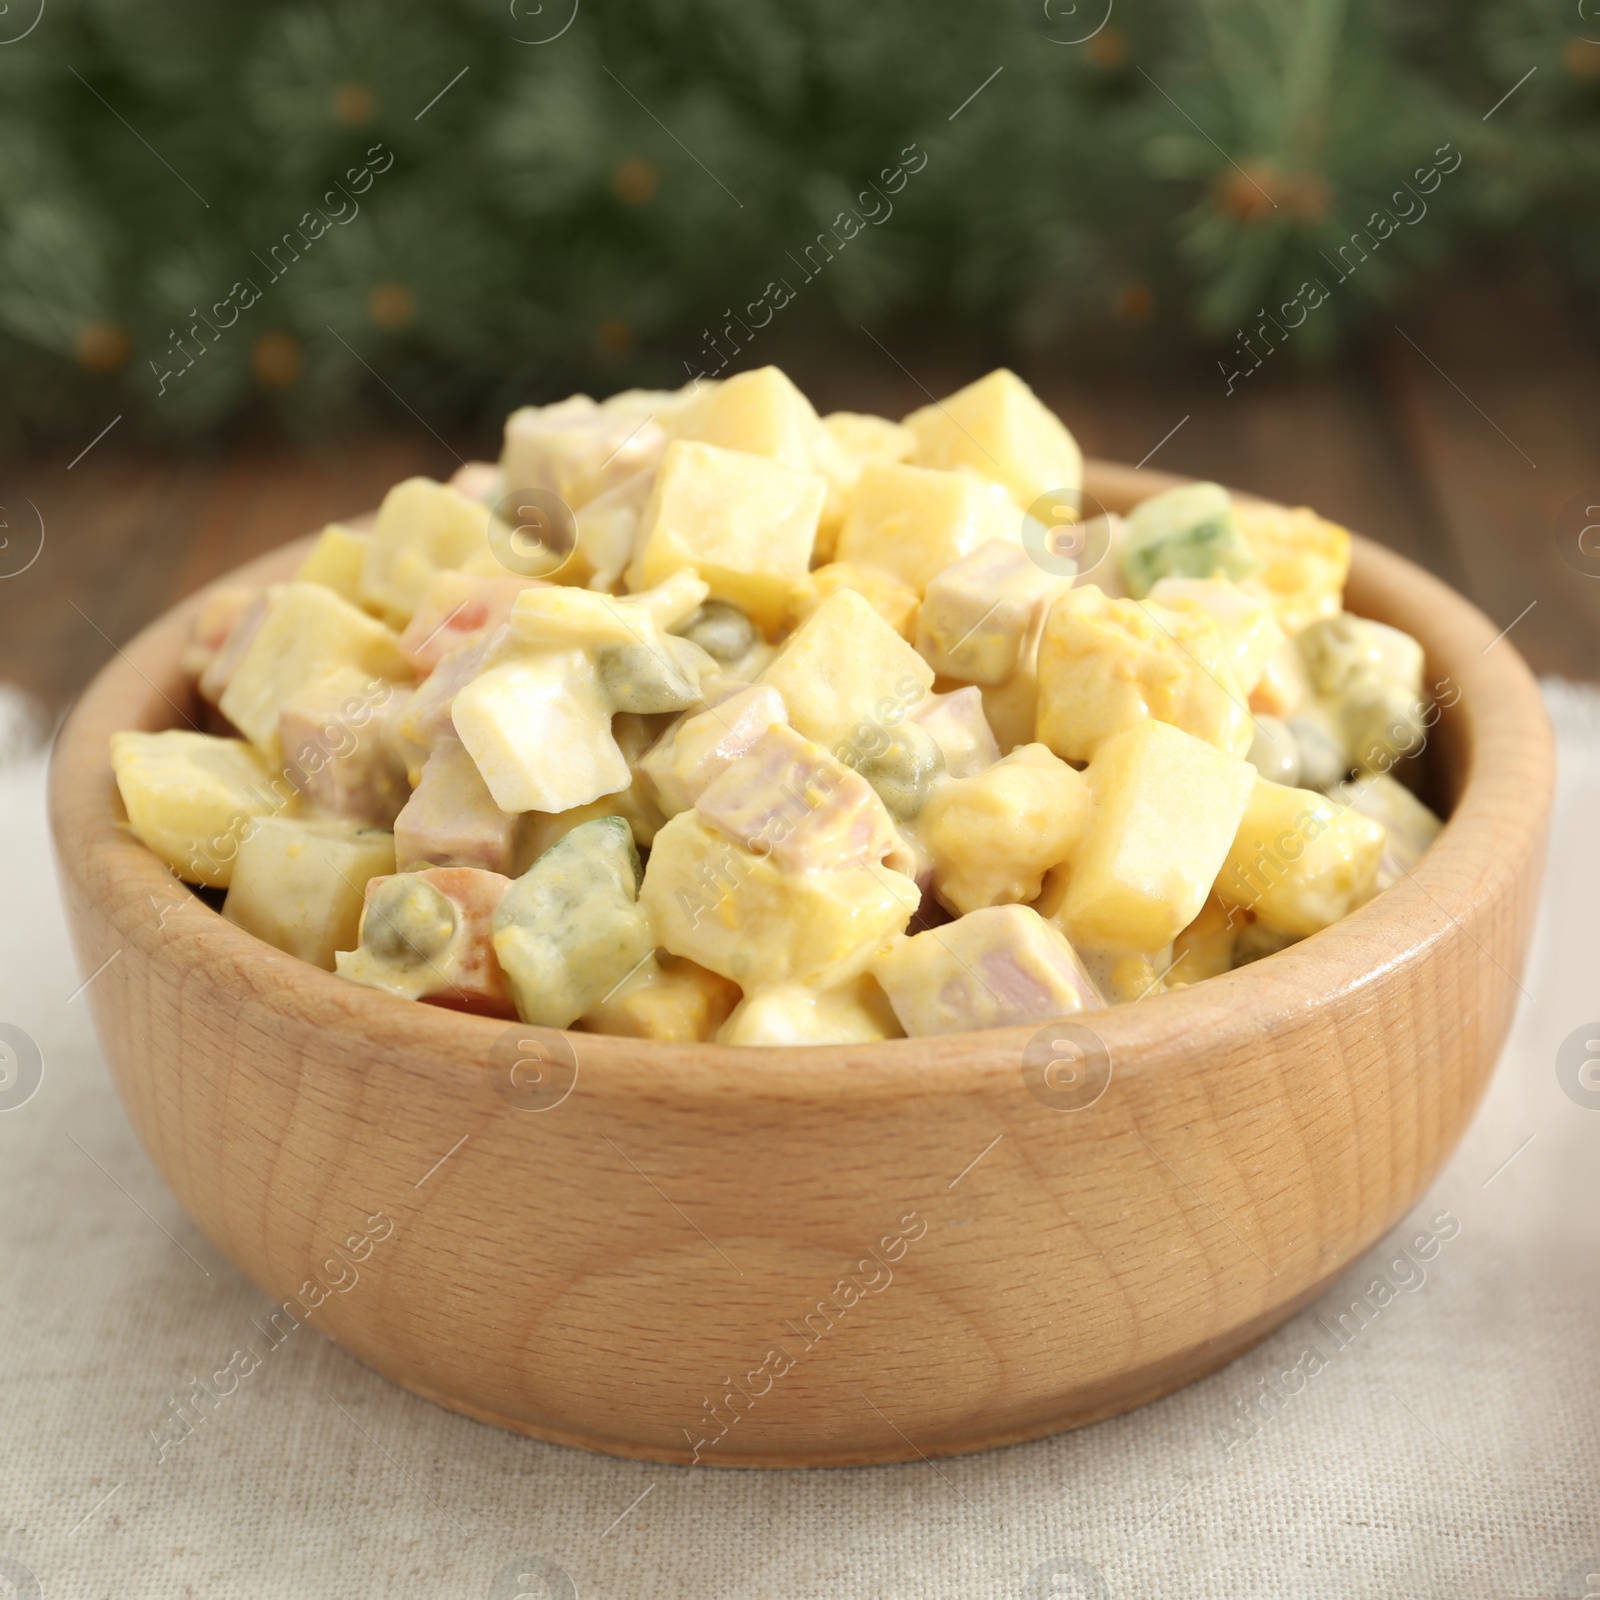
(1456, 438)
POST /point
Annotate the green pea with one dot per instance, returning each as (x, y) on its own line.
(723, 631)
(903, 771)
(637, 678)
(1323, 761)
(408, 921)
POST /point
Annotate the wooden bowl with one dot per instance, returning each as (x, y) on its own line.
(819, 1256)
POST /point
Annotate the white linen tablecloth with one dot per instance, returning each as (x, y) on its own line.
(1449, 1449)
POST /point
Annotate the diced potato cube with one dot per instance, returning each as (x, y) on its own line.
(430, 936)
(763, 413)
(671, 603)
(1300, 861)
(1248, 626)
(866, 438)
(746, 524)
(570, 929)
(1205, 948)
(788, 800)
(451, 819)
(220, 609)
(1188, 532)
(192, 798)
(1166, 807)
(912, 522)
(1304, 558)
(989, 969)
(993, 836)
(666, 998)
(680, 765)
(999, 429)
(456, 607)
(1012, 707)
(606, 536)
(1282, 687)
(741, 915)
(334, 752)
(1409, 827)
(576, 449)
(1105, 665)
(790, 1013)
(336, 560)
(539, 727)
(760, 412)
(218, 672)
(300, 884)
(978, 612)
(845, 675)
(423, 528)
(639, 667)
(307, 630)
(1123, 976)
(661, 404)
(895, 603)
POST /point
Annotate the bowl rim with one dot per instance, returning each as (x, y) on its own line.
(1504, 774)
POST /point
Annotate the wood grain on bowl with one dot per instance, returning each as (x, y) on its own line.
(826, 1255)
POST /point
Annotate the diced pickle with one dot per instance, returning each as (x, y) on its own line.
(1187, 532)
(570, 929)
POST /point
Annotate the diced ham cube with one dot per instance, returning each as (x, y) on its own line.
(455, 608)
(451, 820)
(334, 752)
(788, 799)
(989, 969)
(423, 718)
(960, 729)
(219, 610)
(701, 745)
(979, 610)
(218, 671)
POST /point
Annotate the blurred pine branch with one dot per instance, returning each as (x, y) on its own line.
(588, 210)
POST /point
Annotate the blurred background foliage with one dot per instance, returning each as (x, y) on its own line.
(605, 190)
